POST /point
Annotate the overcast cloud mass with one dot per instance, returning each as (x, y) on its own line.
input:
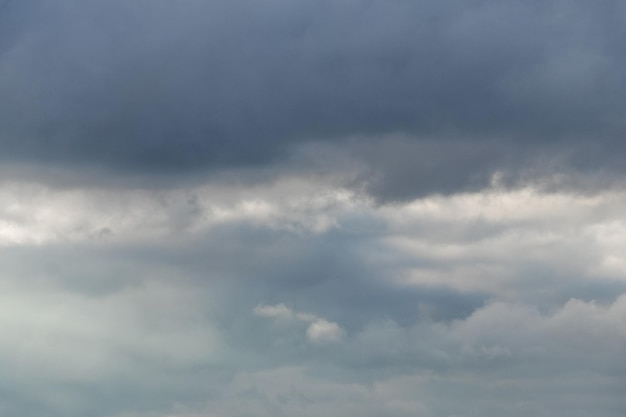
(303, 208)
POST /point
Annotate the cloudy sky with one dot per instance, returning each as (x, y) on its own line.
(304, 208)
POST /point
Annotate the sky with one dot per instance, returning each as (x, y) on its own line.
(303, 208)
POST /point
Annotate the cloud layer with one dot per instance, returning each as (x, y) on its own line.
(173, 88)
(511, 302)
(312, 207)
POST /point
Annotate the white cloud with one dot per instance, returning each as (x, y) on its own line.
(322, 331)
(319, 331)
(276, 311)
(35, 214)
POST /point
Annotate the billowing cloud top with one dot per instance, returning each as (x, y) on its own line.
(310, 208)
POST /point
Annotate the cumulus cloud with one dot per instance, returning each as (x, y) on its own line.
(319, 330)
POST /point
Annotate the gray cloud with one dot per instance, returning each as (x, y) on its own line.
(176, 87)
(490, 299)
(304, 208)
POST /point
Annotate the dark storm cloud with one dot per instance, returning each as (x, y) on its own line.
(180, 86)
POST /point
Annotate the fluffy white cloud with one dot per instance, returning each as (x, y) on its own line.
(322, 331)
(319, 331)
